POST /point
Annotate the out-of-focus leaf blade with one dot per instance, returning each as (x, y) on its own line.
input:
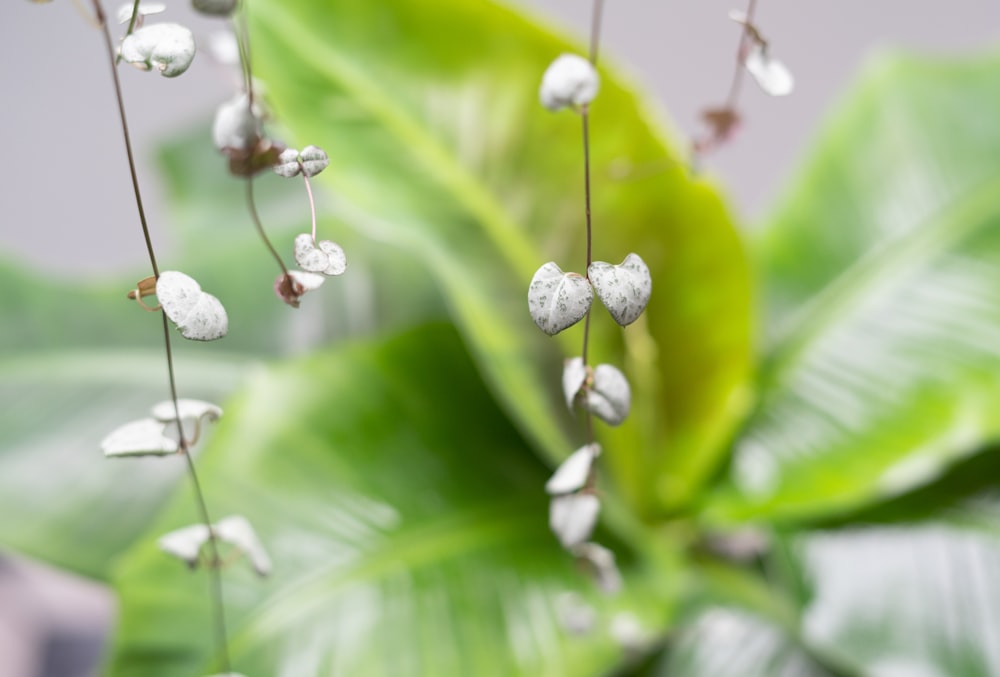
(63, 501)
(882, 275)
(905, 601)
(430, 115)
(411, 548)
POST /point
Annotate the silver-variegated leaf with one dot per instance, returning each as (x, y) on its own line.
(572, 474)
(574, 376)
(185, 543)
(198, 316)
(609, 397)
(557, 300)
(601, 562)
(570, 80)
(572, 517)
(623, 289)
(167, 47)
(771, 75)
(324, 257)
(189, 409)
(238, 532)
(145, 437)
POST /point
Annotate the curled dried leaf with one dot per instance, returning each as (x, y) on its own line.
(291, 286)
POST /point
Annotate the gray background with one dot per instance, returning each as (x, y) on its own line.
(65, 208)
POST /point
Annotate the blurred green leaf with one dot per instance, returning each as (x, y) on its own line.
(80, 360)
(439, 145)
(64, 502)
(882, 276)
(416, 547)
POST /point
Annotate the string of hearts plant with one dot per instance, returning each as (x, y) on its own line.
(558, 300)
(753, 57)
(175, 425)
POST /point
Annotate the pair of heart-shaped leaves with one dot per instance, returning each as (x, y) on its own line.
(186, 543)
(198, 316)
(557, 300)
(167, 47)
(324, 257)
(607, 394)
(310, 162)
(148, 436)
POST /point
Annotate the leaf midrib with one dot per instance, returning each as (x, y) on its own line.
(965, 214)
(467, 189)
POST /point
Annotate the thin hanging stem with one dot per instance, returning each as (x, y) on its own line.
(215, 575)
(585, 117)
(252, 208)
(739, 72)
(214, 571)
(312, 206)
(112, 59)
(595, 31)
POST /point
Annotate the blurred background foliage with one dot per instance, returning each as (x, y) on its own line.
(806, 482)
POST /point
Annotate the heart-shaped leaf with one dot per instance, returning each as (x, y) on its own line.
(572, 517)
(558, 300)
(237, 531)
(360, 551)
(168, 47)
(198, 316)
(623, 289)
(573, 473)
(144, 437)
(570, 80)
(185, 543)
(481, 192)
(771, 75)
(609, 397)
(188, 408)
(327, 258)
(574, 376)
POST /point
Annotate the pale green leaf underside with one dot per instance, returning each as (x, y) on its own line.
(412, 548)
(439, 145)
(889, 369)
